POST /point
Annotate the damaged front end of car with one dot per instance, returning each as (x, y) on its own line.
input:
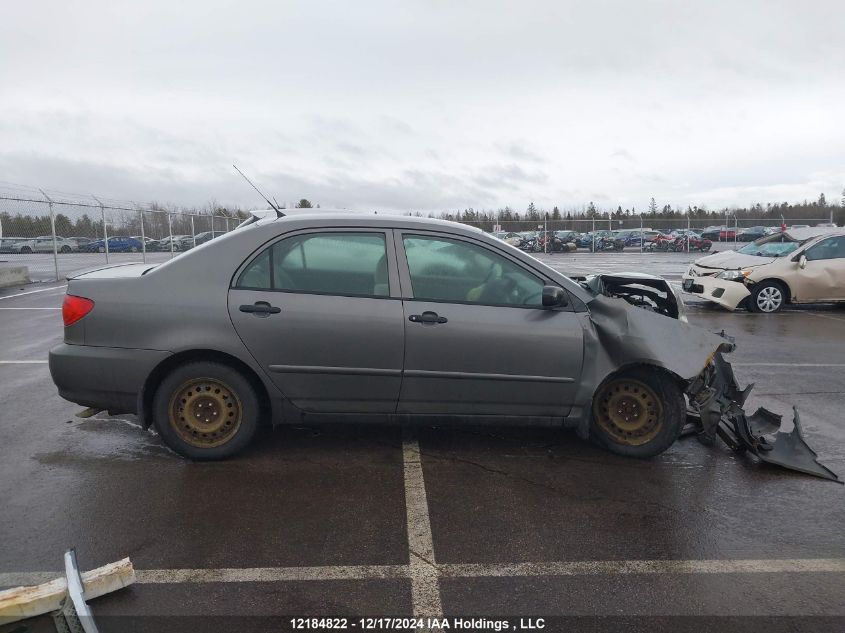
(623, 334)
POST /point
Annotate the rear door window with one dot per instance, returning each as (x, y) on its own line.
(342, 263)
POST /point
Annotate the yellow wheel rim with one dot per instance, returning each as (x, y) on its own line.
(629, 411)
(205, 412)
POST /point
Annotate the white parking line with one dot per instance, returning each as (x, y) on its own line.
(32, 292)
(827, 316)
(788, 364)
(461, 570)
(425, 588)
(22, 362)
(618, 567)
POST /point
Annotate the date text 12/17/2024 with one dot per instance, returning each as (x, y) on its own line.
(411, 624)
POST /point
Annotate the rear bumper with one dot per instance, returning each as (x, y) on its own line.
(102, 377)
(726, 293)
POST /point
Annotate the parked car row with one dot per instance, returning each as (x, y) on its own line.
(602, 240)
(116, 244)
(677, 240)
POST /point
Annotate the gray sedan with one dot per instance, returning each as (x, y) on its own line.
(358, 317)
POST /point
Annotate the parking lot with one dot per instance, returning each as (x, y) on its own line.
(42, 267)
(484, 522)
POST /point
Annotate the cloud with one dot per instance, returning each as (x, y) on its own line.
(508, 176)
(421, 106)
(622, 153)
(520, 152)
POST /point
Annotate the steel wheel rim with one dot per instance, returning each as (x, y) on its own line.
(629, 411)
(205, 412)
(769, 299)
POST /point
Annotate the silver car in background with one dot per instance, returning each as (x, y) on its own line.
(44, 244)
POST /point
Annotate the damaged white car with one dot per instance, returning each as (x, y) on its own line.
(805, 265)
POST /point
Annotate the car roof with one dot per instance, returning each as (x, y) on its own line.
(799, 235)
(269, 216)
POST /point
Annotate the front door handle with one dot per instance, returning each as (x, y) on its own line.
(260, 308)
(427, 317)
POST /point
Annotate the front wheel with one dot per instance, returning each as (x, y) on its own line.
(638, 413)
(206, 411)
(767, 297)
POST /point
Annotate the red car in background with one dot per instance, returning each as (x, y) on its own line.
(695, 243)
(727, 235)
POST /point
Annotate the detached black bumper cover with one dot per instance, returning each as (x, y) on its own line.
(717, 401)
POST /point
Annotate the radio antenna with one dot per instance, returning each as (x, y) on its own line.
(275, 208)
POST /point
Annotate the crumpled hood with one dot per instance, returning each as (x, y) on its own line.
(729, 260)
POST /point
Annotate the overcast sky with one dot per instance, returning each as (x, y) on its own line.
(426, 105)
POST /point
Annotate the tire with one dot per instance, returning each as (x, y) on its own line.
(228, 398)
(767, 297)
(646, 392)
(65, 249)
(26, 250)
(101, 249)
(133, 249)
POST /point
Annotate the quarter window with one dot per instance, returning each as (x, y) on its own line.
(451, 270)
(326, 263)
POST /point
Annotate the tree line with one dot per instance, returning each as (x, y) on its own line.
(125, 222)
(816, 211)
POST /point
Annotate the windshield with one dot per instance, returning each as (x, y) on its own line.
(770, 246)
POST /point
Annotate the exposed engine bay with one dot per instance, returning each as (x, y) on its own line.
(644, 291)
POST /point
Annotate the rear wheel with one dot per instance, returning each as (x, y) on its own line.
(26, 250)
(638, 413)
(767, 296)
(206, 411)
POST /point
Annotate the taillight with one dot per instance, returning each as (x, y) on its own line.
(74, 308)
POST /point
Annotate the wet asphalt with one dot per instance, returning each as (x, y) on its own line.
(334, 495)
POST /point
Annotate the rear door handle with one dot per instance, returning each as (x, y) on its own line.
(427, 317)
(260, 308)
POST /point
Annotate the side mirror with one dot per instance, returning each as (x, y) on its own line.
(802, 261)
(553, 297)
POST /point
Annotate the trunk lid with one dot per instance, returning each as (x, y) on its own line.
(113, 271)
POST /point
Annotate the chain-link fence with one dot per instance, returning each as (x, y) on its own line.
(55, 234)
